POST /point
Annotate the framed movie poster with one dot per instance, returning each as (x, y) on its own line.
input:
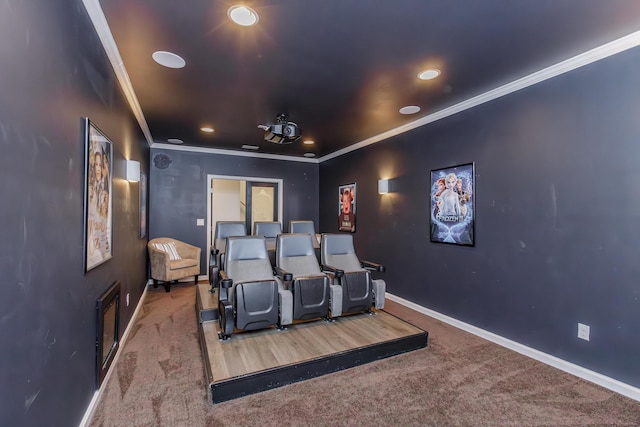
(452, 205)
(143, 205)
(98, 197)
(347, 207)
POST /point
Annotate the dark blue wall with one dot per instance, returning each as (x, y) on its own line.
(179, 191)
(53, 72)
(557, 204)
(557, 209)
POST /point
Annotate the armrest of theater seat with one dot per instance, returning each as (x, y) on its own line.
(332, 270)
(224, 285)
(213, 277)
(282, 274)
(225, 307)
(285, 302)
(213, 256)
(373, 266)
(214, 269)
(225, 318)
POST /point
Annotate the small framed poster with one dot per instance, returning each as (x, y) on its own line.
(347, 208)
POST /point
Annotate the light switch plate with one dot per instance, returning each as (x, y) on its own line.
(583, 331)
(200, 222)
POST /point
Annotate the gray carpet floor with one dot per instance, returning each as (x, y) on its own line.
(459, 380)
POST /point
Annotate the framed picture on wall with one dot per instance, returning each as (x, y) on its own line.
(143, 205)
(347, 207)
(452, 205)
(98, 197)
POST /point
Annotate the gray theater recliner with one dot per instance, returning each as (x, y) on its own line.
(269, 230)
(359, 291)
(249, 296)
(303, 226)
(297, 266)
(223, 230)
(300, 226)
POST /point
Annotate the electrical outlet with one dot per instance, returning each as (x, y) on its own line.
(200, 222)
(583, 331)
(127, 299)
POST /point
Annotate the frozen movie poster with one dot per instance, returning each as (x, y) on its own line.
(452, 207)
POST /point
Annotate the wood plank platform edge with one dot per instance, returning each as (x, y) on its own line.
(205, 354)
(280, 376)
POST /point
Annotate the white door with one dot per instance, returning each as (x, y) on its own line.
(242, 199)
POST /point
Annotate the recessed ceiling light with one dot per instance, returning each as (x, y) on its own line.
(409, 109)
(206, 129)
(168, 59)
(309, 155)
(429, 74)
(175, 141)
(250, 147)
(243, 15)
(309, 142)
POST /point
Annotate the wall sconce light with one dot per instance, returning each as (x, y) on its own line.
(133, 171)
(383, 186)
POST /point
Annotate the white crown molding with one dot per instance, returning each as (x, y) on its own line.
(232, 153)
(104, 33)
(108, 42)
(586, 374)
(593, 55)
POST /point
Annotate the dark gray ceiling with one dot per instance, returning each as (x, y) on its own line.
(341, 69)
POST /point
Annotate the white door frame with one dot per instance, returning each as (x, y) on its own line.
(210, 177)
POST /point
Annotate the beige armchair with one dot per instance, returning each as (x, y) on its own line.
(172, 260)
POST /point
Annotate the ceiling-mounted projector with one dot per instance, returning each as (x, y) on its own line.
(282, 132)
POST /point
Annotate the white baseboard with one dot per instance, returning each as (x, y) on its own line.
(86, 420)
(586, 374)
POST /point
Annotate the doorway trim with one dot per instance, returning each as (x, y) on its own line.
(211, 177)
